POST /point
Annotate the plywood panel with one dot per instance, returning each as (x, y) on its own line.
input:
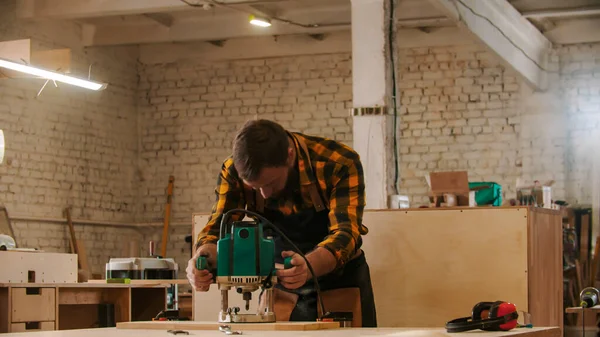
(54, 60)
(430, 266)
(32, 326)
(121, 298)
(78, 316)
(16, 50)
(185, 325)
(146, 303)
(545, 267)
(33, 304)
(47, 267)
(4, 309)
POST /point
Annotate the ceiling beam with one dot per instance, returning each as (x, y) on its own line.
(218, 27)
(289, 45)
(78, 9)
(562, 12)
(506, 32)
(161, 18)
(575, 31)
(246, 48)
(436, 21)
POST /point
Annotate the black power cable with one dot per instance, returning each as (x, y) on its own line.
(273, 227)
(394, 91)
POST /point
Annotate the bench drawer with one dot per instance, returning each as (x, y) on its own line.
(31, 326)
(33, 304)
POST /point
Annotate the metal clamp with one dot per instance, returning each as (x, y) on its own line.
(178, 332)
(227, 330)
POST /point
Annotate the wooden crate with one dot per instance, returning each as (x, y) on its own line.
(429, 266)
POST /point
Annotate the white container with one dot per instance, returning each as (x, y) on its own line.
(399, 201)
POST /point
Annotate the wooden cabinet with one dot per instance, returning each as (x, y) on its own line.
(429, 266)
(26, 307)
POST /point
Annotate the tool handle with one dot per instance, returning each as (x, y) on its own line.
(201, 263)
(287, 262)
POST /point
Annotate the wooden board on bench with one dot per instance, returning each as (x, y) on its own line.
(198, 325)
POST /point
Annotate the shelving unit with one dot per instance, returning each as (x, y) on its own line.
(44, 306)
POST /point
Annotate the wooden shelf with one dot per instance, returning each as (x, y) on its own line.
(77, 305)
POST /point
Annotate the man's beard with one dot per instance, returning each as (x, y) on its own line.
(292, 184)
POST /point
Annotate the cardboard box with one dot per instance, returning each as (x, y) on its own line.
(448, 189)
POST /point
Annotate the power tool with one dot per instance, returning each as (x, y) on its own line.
(246, 262)
(589, 297)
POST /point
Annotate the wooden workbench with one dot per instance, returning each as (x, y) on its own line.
(395, 332)
(429, 266)
(62, 306)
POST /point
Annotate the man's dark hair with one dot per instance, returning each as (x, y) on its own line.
(259, 144)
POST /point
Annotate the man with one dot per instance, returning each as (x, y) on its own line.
(312, 189)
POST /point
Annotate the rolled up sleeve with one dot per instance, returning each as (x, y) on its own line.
(346, 206)
(229, 195)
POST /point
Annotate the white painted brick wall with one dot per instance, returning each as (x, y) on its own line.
(458, 112)
(100, 242)
(580, 82)
(191, 111)
(462, 110)
(70, 146)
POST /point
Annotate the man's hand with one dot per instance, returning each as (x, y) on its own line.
(296, 276)
(200, 280)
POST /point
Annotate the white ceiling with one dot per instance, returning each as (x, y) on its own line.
(118, 22)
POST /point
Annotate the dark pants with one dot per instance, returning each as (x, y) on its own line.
(355, 274)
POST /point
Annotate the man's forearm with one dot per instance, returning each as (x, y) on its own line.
(322, 261)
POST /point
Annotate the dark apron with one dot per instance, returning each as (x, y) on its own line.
(307, 229)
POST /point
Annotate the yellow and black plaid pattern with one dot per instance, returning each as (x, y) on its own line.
(339, 173)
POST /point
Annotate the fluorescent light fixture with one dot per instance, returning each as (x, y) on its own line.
(261, 22)
(1, 146)
(51, 75)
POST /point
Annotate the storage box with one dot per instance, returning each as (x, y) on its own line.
(487, 193)
(37, 267)
(535, 195)
(448, 189)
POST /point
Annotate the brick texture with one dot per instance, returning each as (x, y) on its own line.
(100, 242)
(580, 84)
(109, 154)
(69, 146)
(191, 110)
(461, 109)
(458, 112)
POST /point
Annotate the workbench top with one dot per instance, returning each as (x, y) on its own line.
(346, 332)
(86, 285)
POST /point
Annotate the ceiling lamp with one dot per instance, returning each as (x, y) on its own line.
(261, 22)
(50, 75)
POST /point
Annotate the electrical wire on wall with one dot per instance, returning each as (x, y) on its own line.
(391, 24)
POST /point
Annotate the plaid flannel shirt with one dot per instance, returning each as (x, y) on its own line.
(339, 173)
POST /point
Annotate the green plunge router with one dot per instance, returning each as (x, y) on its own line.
(246, 262)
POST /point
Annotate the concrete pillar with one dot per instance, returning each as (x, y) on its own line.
(372, 124)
